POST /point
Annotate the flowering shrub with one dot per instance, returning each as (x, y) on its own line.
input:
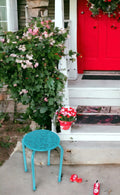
(29, 66)
(66, 114)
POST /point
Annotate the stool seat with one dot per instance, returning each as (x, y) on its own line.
(41, 140)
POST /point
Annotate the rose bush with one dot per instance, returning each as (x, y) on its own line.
(29, 66)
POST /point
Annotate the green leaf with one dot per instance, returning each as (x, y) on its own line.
(51, 101)
(25, 99)
(43, 109)
(50, 82)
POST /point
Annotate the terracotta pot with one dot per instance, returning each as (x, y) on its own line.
(65, 125)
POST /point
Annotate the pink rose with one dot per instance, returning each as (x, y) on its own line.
(47, 26)
(2, 40)
(42, 22)
(30, 30)
(45, 99)
(36, 65)
(35, 31)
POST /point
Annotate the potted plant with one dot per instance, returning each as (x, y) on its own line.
(66, 116)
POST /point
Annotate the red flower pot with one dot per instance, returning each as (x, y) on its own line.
(65, 125)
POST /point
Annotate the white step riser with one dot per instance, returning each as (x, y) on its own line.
(94, 93)
(94, 97)
(93, 102)
(91, 137)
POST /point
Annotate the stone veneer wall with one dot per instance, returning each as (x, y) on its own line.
(7, 104)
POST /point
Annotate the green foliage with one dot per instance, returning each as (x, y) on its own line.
(110, 7)
(5, 142)
(25, 129)
(29, 66)
(4, 116)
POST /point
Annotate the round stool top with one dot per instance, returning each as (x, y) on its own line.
(41, 140)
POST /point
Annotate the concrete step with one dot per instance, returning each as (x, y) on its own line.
(80, 152)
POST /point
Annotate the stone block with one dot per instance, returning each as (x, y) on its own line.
(7, 106)
(10, 106)
(3, 96)
(37, 3)
(21, 108)
(34, 125)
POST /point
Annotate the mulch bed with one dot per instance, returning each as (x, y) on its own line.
(10, 133)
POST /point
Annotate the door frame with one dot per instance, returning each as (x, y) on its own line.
(73, 37)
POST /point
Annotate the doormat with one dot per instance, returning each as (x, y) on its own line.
(98, 119)
(101, 77)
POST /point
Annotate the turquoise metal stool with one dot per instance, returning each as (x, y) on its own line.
(41, 140)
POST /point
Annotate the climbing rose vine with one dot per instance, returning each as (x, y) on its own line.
(29, 66)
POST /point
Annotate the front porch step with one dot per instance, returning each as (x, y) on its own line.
(94, 92)
(94, 96)
(76, 153)
(92, 133)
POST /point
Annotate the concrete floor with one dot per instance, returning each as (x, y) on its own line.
(14, 181)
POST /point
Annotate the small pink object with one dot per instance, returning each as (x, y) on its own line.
(96, 189)
(73, 177)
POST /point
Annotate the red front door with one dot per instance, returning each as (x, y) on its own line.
(98, 39)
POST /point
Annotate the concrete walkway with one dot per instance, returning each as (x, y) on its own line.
(14, 181)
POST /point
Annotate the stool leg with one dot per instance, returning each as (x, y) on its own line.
(33, 170)
(24, 156)
(61, 162)
(48, 157)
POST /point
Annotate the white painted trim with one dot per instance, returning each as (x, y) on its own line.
(12, 15)
(73, 19)
(73, 34)
(89, 136)
(59, 13)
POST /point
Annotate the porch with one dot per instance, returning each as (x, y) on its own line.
(85, 92)
(94, 93)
